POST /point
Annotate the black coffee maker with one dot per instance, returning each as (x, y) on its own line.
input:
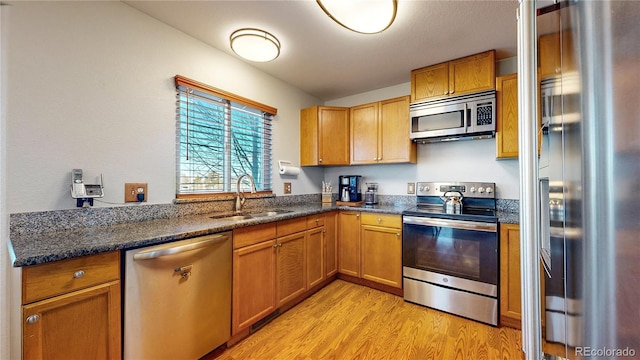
(349, 188)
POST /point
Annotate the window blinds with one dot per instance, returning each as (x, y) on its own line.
(218, 140)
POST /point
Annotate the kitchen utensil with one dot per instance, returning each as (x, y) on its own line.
(452, 203)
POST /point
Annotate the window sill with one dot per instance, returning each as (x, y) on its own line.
(200, 198)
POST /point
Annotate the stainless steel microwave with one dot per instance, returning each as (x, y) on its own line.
(471, 116)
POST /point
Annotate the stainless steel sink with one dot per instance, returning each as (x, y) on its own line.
(250, 215)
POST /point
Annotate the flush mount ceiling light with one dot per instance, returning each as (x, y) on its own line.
(362, 16)
(255, 44)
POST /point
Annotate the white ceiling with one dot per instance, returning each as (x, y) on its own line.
(328, 61)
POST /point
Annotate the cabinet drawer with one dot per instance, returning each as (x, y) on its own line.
(292, 226)
(386, 220)
(60, 277)
(253, 234)
(315, 221)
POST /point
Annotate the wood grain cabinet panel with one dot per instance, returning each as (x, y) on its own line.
(382, 255)
(331, 243)
(349, 243)
(315, 256)
(456, 77)
(507, 116)
(72, 308)
(254, 284)
(380, 133)
(290, 267)
(324, 136)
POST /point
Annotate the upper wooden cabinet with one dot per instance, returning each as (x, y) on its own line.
(461, 76)
(556, 54)
(507, 116)
(324, 136)
(380, 133)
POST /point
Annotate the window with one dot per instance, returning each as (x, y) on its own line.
(220, 137)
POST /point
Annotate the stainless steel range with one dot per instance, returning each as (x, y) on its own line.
(450, 250)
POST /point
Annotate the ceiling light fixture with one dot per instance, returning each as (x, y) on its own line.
(255, 44)
(362, 16)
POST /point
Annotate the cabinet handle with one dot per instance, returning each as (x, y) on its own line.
(452, 91)
(446, 92)
(319, 160)
(33, 319)
(357, 215)
(78, 274)
(317, 220)
(398, 234)
(379, 221)
(275, 246)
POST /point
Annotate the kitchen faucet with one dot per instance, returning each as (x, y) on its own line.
(240, 198)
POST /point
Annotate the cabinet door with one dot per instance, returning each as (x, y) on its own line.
(331, 243)
(84, 324)
(309, 136)
(364, 133)
(382, 255)
(254, 284)
(333, 138)
(315, 257)
(394, 144)
(507, 116)
(510, 307)
(349, 243)
(430, 82)
(290, 267)
(472, 73)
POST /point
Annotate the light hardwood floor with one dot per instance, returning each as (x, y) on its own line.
(349, 321)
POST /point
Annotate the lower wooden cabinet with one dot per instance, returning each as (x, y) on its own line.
(349, 243)
(290, 267)
(254, 283)
(275, 264)
(381, 242)
(77, 311)
(370, 247)
(510, 283)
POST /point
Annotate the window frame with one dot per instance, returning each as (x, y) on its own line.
(181, 81)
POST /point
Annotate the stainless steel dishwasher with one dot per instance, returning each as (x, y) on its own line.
(177, 298)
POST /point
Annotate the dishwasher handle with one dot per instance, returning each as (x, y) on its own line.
(156, 253)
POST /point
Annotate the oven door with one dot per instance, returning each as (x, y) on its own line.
(460, 249)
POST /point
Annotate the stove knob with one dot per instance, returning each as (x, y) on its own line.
(421, 188)
(473, 190)
(481, 190)
(489, 190)
(427, 189)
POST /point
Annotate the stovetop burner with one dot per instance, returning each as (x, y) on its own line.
(479, 203)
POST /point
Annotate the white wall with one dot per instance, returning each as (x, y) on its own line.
(473, 160)
(90, 85)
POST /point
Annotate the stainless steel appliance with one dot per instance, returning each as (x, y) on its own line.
(471, 116)
(177, 298)
(450, 260)
(371, 195)
(586, 184)
(349, 188)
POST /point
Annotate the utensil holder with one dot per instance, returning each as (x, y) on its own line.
(327, 197)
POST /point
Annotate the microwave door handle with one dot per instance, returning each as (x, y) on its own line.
(466, 118)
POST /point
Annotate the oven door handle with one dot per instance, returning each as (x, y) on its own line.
(454, 224)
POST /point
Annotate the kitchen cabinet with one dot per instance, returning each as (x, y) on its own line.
(381, 241)
(555, 54)
(349, 243)
(68, 300)
(324, 136)
(254, 275)
(315, 250)
(380, 133)
(331, 243)
(460, 76)
(507, 116)
(510, 283)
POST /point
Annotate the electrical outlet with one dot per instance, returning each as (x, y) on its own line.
(411, 188)
(287, 188)
(135, 192)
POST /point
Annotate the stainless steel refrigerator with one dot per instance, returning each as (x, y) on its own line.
(583, 192)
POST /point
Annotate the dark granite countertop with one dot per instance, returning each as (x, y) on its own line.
(45, 247)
